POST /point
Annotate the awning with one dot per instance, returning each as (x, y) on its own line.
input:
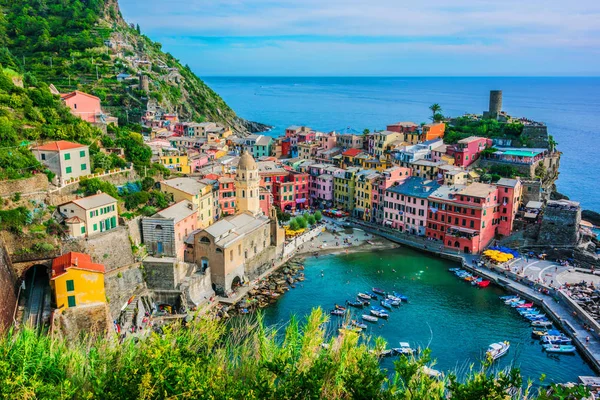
(530, 215)
(300, 200)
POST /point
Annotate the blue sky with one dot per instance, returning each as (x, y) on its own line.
(376, 37)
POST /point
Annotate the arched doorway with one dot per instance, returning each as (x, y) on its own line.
(236, 283)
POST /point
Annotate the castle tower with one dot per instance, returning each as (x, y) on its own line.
(247, 185)
(495, 103)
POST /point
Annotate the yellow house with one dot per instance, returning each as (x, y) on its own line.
(177, 163)
(363, 194)
(190, 189)
(384, 139)
(343, 188)
(76, 281)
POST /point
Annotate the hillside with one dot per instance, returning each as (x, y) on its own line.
(85, 44)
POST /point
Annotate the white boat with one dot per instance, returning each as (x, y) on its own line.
(497, 350)
(541, 323)
(380, 314)
(369, 318)
(364, 296)
(404, 349)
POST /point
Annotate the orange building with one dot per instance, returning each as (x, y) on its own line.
(433, 131)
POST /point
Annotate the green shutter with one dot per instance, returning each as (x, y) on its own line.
(83, 229)
(95, 227)
(70, 285)
(82, 153)
(91, 214)
(113, 222)
(71, 300)
(69, 170)
(67, 156)
(83, 167)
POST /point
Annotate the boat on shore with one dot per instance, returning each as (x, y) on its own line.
(497, 350)
(556, 348)
(378, 291)
(369, 318)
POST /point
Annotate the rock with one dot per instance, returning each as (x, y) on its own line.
(591, 216)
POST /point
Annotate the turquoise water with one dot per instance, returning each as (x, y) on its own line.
(568, 105)
(456, 320)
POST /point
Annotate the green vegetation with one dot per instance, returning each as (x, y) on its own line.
(318, 216)
(244, 360)
(463, 127)
(14, 220)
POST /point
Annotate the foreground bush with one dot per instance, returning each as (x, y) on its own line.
(211, 360)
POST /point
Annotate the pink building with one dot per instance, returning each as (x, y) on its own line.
(165, 232)
(467, 151)
(405, 206)
(83, 105)
(388, 178)
(402, 127)
(266, 201)
(306, 136)
(327, 141)
(198, 160)
(227, 195)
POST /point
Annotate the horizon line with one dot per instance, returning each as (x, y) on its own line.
(401, 76)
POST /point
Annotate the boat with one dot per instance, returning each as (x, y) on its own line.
(510, 297)
(364, 296)
(356, 304)
(382, 353)
(526, 305)
(358, 324)
(560, 348)
(560, 339)
(386, 304)
(403, 349)
(497, 350)
(514, 304)
(483, 284)
(469, 278)
(373, 295)
(378, 291)
(393, 298)
(338, 307)
(542, 322)
(338, 313)
(511, 300)
(453, 269)
(476, 281)
(380, 314)
(369, 318)
(535, 317)
(401, 297)
(365, 302)
(538, 333)
(350, 328)
(524, 311)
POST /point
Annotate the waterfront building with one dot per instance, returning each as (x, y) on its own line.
(76, 281)
(164, 233)
(363, 194)
(405, 205)
(350, 141)
(67, 160)
(194, 191)
(391, 176)
(90, 215)
(343, 188)
(467, 150)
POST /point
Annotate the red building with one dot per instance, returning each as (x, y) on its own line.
(227, 195)
(402, 127)
(467, 218)
(301, 189)
(467, 151)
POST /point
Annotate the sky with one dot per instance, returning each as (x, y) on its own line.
(375, 37)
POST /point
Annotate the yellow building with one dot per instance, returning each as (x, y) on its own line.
(76, 281)
(177, 163)
(343, 189)
(200, 194)
(383, 140)
(363, 194)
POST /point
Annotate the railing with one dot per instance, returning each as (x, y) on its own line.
(95, 175)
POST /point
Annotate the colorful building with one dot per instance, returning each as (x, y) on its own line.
(343, 188)
(67, 160)
(83, 105)
(259, 145)
(90, 215)
(77, 281)
(403, 127)
(363, 194)
(350, 141)
(194, 191)
(432, 131)
(176, 163)
(388, 177)
(382, 141)
(467, 151)
(405, 205)
(227, 195)
(165, 232)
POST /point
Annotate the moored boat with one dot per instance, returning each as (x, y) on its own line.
(372, 295)
(525, 305)
(476, 281)
(453, 269)
(338, 313)
(403, 349)
(497, 350)
(358, 324)
(393, 298)
(369, 318)
(364, 296)
(381, 353)
(557, 348)
(401, 297)
(541, 322)
(338, 307)
(483, 284)
(514, 304)
(386, 304)
(380, 314)
(560, 339)
(378, 291)
(355, 304)
(512, 300)
(509, 297)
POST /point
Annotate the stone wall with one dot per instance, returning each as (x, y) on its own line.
(536, 136)
(166, 273)
(37, 183)
(92, 319)
(560, 224)
(134, 227)
(121, 284)
(532, 191)
(261, 263)
(197, 289)
(8, 289)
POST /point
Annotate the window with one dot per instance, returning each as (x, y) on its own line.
(67, 156)
(43, 156)
(82, 230)
(71, 301)
(82, 153)
(70, 285)
(95, 227)
(69, 170)
(83, 167)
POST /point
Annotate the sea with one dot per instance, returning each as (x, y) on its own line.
(569, 106)
(454, 319)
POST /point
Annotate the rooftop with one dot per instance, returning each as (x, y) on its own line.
(95, 201)
(470, 139)
(177, 212)
(416, 187)
(405, 124)
(445, 192)
(477, 189)
(74, 260)
(230, 229)
(508, 182)
(352, 152)
(187, 185)
(59, 145)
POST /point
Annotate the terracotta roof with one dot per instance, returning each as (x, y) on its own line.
(61, 264)
(352, 152)
(59, 146)
(73, 220)
(75, 93)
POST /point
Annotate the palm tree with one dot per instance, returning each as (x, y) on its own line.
(552, 143)
(435, 109)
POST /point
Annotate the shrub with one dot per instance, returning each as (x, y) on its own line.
(294, 225)
(16, 197)
(311, 220)
(318, 216)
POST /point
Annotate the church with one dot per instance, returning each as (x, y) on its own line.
(242, 246)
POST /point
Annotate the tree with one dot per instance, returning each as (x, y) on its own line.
(294, 225)
(438, 117)
(552, 143)
(147, 183)
(366, 131)
(435, 109)
(302, 223)
(311, 220)
(318, 216)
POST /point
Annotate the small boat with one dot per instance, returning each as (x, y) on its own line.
(338, 313)
(369, 318)
(524, 311)
(560, 348)
(386, 304)
(512, 300)
(526, 305)
(364, 296)
(497, 350)
(535, 317)
(380, 314)
(338, 307)
(476, 281)
(483, 284)
(538, 333)
(378, 291)
(561, 339)
(401, 297)
(512, 296)
(365, 303)
(403, 349)
(358, 324)
(433, 373)
(459, 271)
(373, 295)
(469, 278)
(453, 269)
(381, 353)
(356, 304)
(514, 304)
(542, 322)
(393, 298)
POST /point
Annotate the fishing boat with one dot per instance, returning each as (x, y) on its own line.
(338, 313)
(378, 291)
(510, 297)
(525, 305)
(401, 297)
(364, 296)
(395, 303)
(514, 304)
(561, 339)
(483, 284)
(373, 295)
(497, 350)
(356, 304)
(386, 304)
(560, 348)
(380, 314)
(393, 298)
(358, 324)
(403, 349)
(369, 318)
(541, 322)
(338, 307)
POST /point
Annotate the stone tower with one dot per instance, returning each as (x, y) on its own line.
(247, 185)
(495, 103)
